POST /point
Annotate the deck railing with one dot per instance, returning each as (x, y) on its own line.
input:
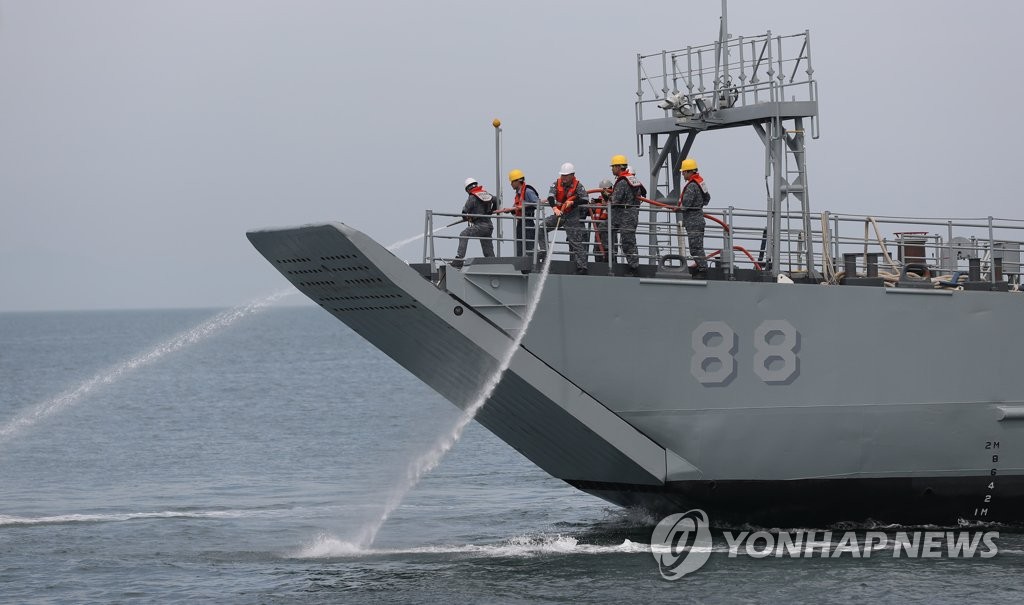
(752, 70)
(843, 245)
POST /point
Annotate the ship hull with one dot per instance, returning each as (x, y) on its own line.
(758, 402)
(945, 501)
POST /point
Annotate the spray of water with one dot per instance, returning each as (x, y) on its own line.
(426, 462)
(395, 246)
(47, 408)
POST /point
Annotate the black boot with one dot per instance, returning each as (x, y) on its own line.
(632, 271)
(582, 271)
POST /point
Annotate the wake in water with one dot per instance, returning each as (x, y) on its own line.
(520, 546)
(328, 547)
(7, 520)
(220, 321)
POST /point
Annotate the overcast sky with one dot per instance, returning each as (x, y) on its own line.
(139, 140)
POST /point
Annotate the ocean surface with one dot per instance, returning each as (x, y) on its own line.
(239, 464)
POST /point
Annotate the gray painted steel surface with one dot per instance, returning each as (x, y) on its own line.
(537, 411)
(708, 382)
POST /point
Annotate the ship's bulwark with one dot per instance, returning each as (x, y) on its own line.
(761, 403)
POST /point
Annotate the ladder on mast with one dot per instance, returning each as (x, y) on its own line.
(693, 90)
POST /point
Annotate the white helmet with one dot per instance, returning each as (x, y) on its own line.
(567, 168)
(470, 181)
(606, 184)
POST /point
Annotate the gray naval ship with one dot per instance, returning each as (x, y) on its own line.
(830, 368)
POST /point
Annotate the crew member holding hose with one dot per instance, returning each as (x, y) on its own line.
(599, 220)
(478, 205)
(568, 196)
(524, 209)
(625, 212)
(692, 200)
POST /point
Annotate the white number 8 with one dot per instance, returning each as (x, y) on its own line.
(771, 349)
(714, 344)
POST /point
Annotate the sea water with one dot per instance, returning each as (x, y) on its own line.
(209, 474)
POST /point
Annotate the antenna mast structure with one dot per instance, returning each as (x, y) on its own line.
(763, 82)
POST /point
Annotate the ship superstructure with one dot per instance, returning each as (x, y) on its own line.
(832, 367)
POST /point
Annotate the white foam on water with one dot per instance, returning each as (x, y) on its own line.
(631, 517)
(8, 520)
(427, 461)
(666, 549)
(326, 546)
(218, 322)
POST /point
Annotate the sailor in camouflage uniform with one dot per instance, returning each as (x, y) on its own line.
(568, 197)
(599, 220)
(479, 203)
(524, 209)
(625, 212)
(692, 200)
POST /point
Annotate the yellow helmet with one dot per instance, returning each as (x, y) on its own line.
(515, 175)
(688, 164)
(619, 160)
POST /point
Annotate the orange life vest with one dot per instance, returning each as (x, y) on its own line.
(695, 178)
(630, 178)
(520, 197)
(566, 196)
(601, 212)
(638, 188)
(488, 200)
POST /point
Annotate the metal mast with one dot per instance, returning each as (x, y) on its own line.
(682, 93)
